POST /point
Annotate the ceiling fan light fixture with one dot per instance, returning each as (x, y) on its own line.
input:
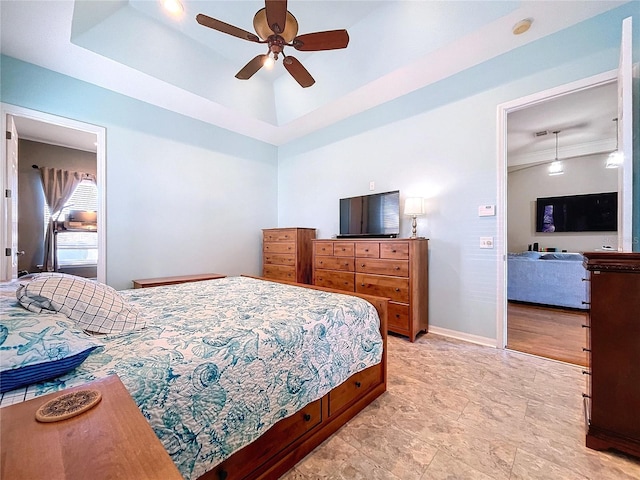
(269, 61)
(262, 28)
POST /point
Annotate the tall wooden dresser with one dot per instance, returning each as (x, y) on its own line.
(613, 399)
(286, 254)
(394, 268)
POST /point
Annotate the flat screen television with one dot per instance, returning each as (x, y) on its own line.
(375, 215)
(595, 212)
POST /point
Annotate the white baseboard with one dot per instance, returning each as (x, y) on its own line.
(467, 337)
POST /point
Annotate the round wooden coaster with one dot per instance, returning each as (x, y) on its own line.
(68, 405)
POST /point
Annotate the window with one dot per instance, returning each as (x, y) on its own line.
(77, 247)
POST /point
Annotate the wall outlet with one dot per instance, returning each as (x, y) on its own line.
(372, 185)
(486, 242)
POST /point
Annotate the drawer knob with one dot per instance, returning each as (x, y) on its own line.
(366, 249)
(362, 284)
(397, 289)
(586, 303)
(222, 474)
(584, 395)
(397, 268)
(358, 384)
(397, 315)
(586, 326)
(393, 251)
(585, 372)
(584, 349)
(307, 417)
(362, 265)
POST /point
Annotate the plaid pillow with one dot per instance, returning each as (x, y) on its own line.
(93, 306)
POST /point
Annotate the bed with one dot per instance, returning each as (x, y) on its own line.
(238, 377)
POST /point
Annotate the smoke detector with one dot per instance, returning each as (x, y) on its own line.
(522, 26)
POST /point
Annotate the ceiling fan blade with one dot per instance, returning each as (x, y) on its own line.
(329, 40)
(252, 67)
(226, 28)
(276, 15)
(297, 71)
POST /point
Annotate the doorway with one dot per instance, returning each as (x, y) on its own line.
(65, 137)
(547, 297)
(624, 141)
(624, 226)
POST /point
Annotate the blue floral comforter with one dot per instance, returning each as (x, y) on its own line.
(223, 360)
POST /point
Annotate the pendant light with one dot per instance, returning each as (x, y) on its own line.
(615, 158)
(556, 166)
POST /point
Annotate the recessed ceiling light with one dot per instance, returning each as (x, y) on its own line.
(174, 7)
(522, 26)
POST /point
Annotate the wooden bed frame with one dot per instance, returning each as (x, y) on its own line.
(291, 439)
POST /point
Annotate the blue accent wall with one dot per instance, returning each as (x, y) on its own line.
(440, 142)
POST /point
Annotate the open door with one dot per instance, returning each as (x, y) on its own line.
(625, 139)
(10, 204)
(12, 118)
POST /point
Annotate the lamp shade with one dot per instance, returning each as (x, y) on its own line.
(414, 206)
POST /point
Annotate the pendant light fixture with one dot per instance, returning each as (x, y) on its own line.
(556, 166)
(615, 158)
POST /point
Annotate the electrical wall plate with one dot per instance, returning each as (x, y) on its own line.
(486, 242)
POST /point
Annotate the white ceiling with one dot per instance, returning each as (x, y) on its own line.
(134, 48)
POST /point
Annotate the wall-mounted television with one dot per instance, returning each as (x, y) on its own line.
(375, 215)
(594, 212)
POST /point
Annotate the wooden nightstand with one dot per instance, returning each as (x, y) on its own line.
(111, 440)
(156, 282)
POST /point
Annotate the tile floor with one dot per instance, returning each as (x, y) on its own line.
(456, 410)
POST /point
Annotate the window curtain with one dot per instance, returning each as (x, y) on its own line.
(58, 186)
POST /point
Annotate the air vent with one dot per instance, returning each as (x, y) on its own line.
(541, 134)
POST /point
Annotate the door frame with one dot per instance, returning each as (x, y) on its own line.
(503, 110)
(101, 169)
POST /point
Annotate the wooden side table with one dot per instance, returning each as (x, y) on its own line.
(111, 440)
(159, 281)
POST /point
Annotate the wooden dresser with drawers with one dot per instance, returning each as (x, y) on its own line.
(394, 268)
(286, 254)
(612, 399)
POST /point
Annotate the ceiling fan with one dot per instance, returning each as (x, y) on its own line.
(276, 27)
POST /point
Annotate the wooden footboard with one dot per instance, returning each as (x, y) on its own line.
(292, 438)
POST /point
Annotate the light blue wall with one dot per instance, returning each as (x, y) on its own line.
(441, 143)
(183, 196)
(187, 197)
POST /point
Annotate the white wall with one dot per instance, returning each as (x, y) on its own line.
(581, 175)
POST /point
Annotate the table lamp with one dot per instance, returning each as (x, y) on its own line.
(414, 206)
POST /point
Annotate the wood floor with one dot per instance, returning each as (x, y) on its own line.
(548, 332)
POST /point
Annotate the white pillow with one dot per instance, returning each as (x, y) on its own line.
(93, 306)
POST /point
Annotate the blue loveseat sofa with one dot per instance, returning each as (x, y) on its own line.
(547, 278)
